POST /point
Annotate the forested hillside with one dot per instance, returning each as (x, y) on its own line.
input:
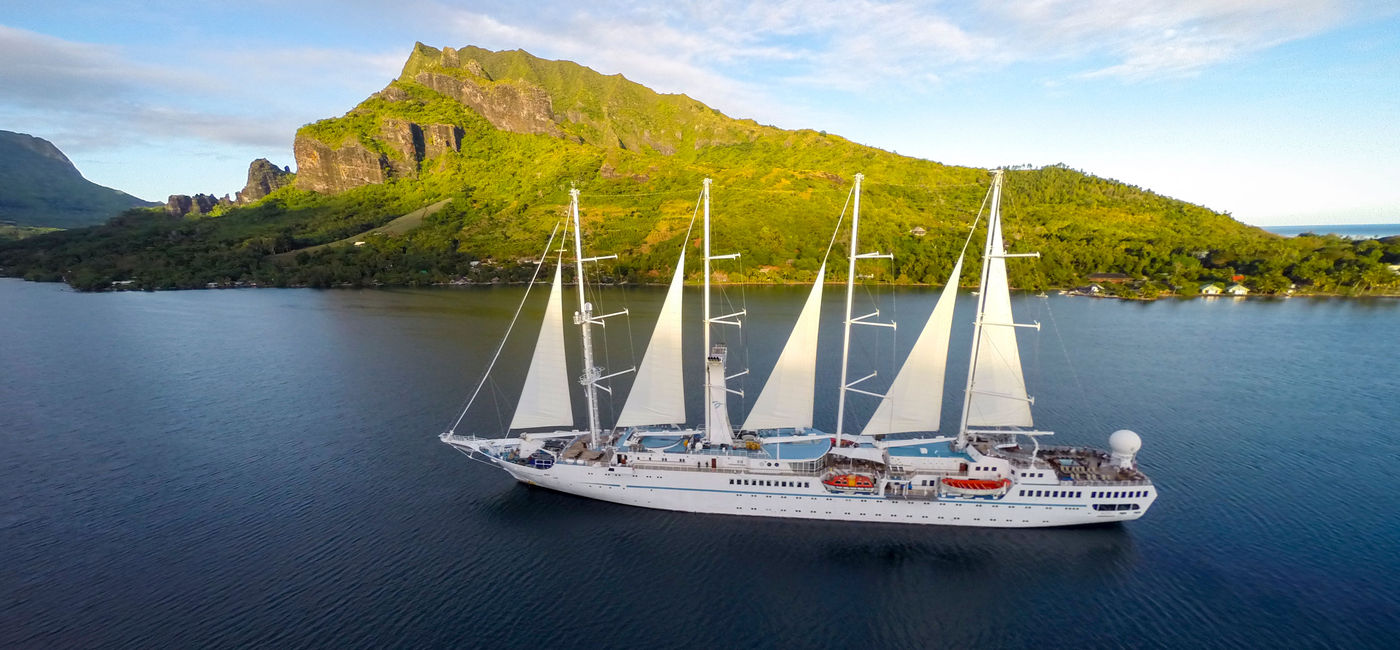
(504, 135)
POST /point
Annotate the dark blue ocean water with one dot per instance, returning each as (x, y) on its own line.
(260, 468)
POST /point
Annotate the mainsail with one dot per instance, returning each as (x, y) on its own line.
(544, 400)
(915, 399)
(997, 392)
(788, 395)
(657, 395)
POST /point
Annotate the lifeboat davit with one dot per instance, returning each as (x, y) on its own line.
(976, 486)
(850, 482)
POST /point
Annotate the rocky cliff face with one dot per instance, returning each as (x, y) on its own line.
(327, 169)
(182, 204)
(520, 107)
(514, 92)
(263, 178)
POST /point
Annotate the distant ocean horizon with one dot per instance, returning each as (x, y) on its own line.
(1352, 230)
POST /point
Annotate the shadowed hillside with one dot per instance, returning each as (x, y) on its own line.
(39, 187)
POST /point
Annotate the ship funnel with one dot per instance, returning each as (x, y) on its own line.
(720, 432)
(1125, 445)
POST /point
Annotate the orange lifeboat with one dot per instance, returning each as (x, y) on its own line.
(859, 482)
(976, 487)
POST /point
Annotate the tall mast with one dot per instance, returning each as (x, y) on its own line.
(846, 335)
(857, 320)
(706, 194)
(993, 226)
(584, 318)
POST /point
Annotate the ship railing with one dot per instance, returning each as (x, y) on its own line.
(1131, 481)
(689, 467)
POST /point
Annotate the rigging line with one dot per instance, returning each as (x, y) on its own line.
(591, 195)
(469, 455)
(1083, 394)
(923, 187)
(839, 220)
(986, 197)
(759, 191)
(502, 346)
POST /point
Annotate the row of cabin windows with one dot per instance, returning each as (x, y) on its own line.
(1119, 495)
(744, 481)
(1072, 494)
(1116, 506)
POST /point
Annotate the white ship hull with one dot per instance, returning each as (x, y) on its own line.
(711, 492)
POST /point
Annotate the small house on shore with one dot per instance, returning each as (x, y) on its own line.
(1210, 290)
(1238, 289)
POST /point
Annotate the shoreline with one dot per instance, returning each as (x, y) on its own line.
(1067, 292)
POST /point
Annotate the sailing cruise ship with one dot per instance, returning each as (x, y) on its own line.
(897, 469)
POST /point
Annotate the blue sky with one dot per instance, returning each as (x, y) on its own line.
(1277, 111)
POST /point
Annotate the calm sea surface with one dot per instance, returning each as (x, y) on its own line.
(1353, 230)
(260, 468)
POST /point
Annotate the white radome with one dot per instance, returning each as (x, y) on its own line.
(1124, 441)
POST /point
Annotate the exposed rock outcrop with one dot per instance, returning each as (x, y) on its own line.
(441, 138)
(183, 204)
(327, 169)
(263, 178)
(384, 139)
(517, 106)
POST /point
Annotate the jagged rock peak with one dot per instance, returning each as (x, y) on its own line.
(385, 138)
(182, 204)
(263, 178)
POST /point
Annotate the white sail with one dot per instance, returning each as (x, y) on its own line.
(788, 395)
(915, 399)
(998, 391)
(544, 400)
(657, 395)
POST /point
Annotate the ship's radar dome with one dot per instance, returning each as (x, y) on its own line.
(1124, 441)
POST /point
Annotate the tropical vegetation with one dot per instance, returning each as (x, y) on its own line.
(638, 159)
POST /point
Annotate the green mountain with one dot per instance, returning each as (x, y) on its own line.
(39, 187)
(502, 136)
